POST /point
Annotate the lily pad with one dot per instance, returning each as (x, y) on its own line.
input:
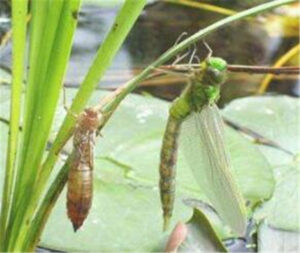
(126, 214)
(282, 211)
(276, 118)
(275, 240)
(201, 236)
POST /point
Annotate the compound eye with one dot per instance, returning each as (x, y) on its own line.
(214, 75)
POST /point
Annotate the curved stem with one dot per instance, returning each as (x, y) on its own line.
(203, 6)
(282, 60)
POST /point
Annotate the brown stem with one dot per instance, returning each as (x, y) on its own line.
(264, 69)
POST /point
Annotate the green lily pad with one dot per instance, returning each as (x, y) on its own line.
(201, 236)
(276, 118)
(275, 240)
(126, 214)
(282, 210)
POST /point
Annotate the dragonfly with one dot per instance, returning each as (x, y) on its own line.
(194, 114)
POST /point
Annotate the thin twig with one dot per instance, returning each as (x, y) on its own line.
(234, 68)
(264, 69)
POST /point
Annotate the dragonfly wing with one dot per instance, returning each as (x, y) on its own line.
(207, 156)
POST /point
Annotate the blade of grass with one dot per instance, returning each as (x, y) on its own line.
(37, 24)
(62, 34)
(38, 75)
(38, 11)
(19, 14)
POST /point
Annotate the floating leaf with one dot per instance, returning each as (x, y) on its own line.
(275, 240)
(276, 118)
(201, 236)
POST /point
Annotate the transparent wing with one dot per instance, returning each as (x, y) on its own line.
(206, 153)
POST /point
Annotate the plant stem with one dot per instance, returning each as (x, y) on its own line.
(203, 6)
(263, 69)
(282, 60)
(19, 12)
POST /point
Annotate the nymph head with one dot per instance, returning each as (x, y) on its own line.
(89, 119)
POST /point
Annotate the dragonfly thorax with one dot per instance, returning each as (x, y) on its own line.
(205, 82)
(202, 95)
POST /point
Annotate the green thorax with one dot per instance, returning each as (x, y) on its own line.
(203, 88)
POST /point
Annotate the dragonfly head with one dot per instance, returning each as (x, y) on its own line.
(89, 119)
(215, 71)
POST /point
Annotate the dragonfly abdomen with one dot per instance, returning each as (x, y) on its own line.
(79, 196)
(167, 168)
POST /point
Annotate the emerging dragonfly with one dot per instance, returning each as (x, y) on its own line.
(196, 110)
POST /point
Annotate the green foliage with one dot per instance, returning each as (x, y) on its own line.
(18, 17)
(48, 57)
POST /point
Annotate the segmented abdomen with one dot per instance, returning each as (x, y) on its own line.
(80, 177)
(167, 169)
(79, 196)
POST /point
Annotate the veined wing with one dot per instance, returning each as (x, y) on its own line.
(207, 156)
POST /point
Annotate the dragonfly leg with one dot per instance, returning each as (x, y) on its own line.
(65, 104)
(193, 56)
(179, 38)
(210, 52)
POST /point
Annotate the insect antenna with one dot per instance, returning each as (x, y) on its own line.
(66, 107)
